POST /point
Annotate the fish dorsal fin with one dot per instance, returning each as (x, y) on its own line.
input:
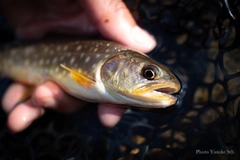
(80, 77)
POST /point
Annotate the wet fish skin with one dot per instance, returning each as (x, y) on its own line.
(97, 71)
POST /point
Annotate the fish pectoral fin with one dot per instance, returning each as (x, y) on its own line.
(80, 77)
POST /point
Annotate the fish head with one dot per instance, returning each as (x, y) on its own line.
(138, 80)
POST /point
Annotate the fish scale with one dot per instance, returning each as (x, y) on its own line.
(96, 71)
(65, 54)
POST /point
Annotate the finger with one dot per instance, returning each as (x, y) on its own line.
(13, 95)
(115, 22)
(110, 114)
(50, 95)
(23, 115)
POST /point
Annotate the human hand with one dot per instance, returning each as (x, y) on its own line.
(34, 19)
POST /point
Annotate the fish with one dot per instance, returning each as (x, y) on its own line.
(93, 70)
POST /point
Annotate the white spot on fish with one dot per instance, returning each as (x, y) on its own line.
(81, 56)
(59, 48)
(65, 47)
(29, 50)
(90, 49)
(54, 60)
(26, 62)
(79, 71)
(57, 69)
(47, 61)
(45, 49)
(107, 50)
(97, 55)
(40, 62)
(108, 44)
(51, 52)
(75, 65)
(95, 50)
(50, 71)
(64, 72)
(72, 60)
(34, 63)
(87, 59)
(35, 56)
(13, 51)
(62, 58)
(93, 66)
(46, 70)
(68, 54)
(79, 48)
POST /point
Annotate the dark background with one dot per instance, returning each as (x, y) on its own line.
(200, 42)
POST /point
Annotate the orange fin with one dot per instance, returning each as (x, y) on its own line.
(80, 77)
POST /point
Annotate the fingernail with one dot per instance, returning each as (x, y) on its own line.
(44, 97)
(143, 38)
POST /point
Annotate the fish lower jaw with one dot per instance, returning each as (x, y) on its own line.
(158, 99)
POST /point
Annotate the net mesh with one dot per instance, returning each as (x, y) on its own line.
(198, 39)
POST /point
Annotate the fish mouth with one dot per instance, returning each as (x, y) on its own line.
(167, 90)
(160, 93)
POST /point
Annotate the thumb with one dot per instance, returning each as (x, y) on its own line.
(115, 22)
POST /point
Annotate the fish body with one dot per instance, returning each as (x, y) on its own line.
(96, 71)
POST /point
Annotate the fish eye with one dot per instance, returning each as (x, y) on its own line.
(149, 72)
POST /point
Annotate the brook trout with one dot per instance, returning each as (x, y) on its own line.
(95, 71)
